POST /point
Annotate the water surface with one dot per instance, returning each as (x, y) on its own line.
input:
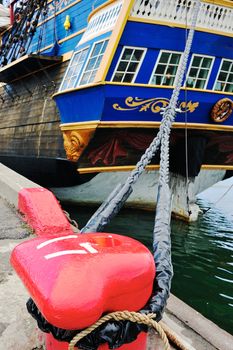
(202, 254)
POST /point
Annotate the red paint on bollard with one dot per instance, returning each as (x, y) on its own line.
(75, 279)
(43, 212)
(138, 344)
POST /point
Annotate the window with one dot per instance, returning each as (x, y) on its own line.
(199, 71)
(128, 64)
(93, 62)
(224, 81)
(165, 70)
(74, 69)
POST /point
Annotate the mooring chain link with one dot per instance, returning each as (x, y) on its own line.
(124, 316)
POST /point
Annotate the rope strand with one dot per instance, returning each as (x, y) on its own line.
(121, 316)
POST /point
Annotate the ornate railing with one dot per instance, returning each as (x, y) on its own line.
(213, 16)
(102, 21)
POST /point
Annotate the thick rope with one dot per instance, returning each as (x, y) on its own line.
(114, 203)
(161, 234)
(121, 316)
(175, 338)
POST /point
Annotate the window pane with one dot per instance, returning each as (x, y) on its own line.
(196, 61)
(93, 63)
(128, 78)
(218, 86)
(203, 73)
(190, 82)
(132, 67)
(97, 62)
(128, 65)
(160, 69)
(230, 79)
(122, 66)
(168, 80)
(118, 77)
(85, 78)
(96, 49)
(171, 70)
(225, 77)
(92, 77)
(157, 80)
(137, 55)
(74, 69)
(104, 46)
(206, 62)
(226, 65)
(166, 69)
(199, 72)
(127, 54)
(193, 72)
(229, 88)
(175, 59)
(200, 84)
(222, 76)
(164, 57)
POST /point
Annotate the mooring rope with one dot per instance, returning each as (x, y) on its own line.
(120, 194)
(124, 316)
(161, 234)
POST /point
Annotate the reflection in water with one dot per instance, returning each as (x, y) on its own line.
(202, 254)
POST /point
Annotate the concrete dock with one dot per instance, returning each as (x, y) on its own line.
(18, 330)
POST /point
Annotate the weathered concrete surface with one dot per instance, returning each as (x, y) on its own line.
(11, 223)
(18, 330)
(11, 183)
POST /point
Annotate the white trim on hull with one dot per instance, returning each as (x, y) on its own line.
(94, 192)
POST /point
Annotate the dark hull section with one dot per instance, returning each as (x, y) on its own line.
(30, 139)
(118, 149)
(48, 172)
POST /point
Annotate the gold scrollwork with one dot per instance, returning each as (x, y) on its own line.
(75, 142)
(155, 105)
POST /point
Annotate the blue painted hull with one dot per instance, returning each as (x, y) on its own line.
(122, 103)
(125, 113)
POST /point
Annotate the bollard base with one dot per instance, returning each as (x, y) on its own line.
(138, 344)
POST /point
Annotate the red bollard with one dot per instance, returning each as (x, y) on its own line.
(74, 279)
(138, 344)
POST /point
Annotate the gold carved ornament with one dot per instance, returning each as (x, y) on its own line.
(155, 105)
(222, 110)
(75, 142)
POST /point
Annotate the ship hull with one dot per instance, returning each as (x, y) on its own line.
(144, 194)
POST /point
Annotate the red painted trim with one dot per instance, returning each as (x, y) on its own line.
(43, 212)
(138, 344)
(12, 4)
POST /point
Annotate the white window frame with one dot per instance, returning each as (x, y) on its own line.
(158, 62)
(219, 70)
(144, 49)
(70, 63)
(88, 58)
(209, 73)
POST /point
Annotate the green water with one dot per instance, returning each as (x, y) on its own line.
(202, 254)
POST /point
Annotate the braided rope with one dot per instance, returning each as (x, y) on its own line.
(121, 316)
(170, 110)
(113, 205)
